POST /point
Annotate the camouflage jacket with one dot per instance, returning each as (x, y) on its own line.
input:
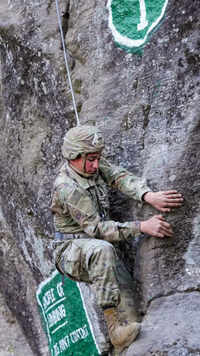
(81, 204)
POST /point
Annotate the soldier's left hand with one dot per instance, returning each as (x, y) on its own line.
(164, 200)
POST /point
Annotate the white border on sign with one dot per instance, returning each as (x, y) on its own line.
(39, 290)
(126, 41)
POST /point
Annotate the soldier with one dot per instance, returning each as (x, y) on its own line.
(83, 229)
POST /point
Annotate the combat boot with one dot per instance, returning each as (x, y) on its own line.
(121, 336)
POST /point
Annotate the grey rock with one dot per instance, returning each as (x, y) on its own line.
(176, 333)
(148, 107)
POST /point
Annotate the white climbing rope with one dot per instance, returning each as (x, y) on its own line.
(66, 62)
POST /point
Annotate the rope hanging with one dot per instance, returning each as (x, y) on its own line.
(66, 62)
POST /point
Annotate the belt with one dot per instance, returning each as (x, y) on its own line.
(60, 237)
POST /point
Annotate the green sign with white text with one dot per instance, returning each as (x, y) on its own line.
(132, 21)
(64, 317)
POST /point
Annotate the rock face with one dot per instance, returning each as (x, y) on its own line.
(148, 106)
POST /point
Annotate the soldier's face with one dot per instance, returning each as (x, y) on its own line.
(92, 163)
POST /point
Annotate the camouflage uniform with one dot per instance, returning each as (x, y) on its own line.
(80, 205)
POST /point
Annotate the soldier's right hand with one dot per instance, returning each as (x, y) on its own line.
(156, 226)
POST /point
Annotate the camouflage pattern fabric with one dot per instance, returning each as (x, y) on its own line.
(82, 140)
(80, 205)
(93, 261)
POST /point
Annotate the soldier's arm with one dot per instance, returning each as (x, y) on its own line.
(137, 188)
(126, 182)
(79, 205)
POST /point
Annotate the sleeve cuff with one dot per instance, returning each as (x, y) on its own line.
(143, 193)
(136, 228)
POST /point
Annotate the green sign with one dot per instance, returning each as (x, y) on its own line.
(64, 317)
(132, 21)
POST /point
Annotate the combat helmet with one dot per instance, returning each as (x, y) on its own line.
(82, 140)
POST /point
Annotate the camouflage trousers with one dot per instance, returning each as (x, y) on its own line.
(97, 263)
(92, 261)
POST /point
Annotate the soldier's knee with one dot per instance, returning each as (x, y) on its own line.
(106, 250)
(100, 253)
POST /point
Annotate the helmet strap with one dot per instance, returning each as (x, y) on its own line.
(82, 172)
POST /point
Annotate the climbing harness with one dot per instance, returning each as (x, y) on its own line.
(66, 62)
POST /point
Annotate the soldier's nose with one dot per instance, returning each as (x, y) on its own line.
(96, 164)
